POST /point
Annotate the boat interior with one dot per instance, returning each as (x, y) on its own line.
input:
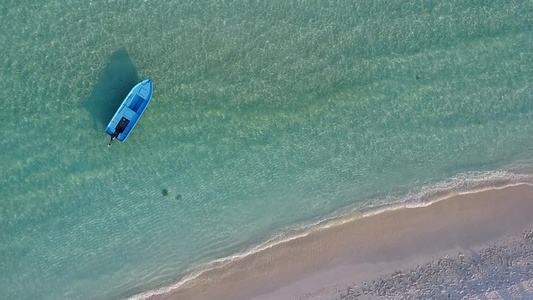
(137, 103)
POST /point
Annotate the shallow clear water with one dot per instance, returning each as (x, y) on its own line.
(264, 116)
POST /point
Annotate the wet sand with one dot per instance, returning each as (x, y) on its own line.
(330, 261)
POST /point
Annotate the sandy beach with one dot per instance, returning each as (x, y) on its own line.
(338, 261)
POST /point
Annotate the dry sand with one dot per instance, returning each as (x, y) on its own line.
(326, 262)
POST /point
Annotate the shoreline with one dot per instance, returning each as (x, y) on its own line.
(322, 262)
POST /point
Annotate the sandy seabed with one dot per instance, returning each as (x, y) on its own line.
(471, 246)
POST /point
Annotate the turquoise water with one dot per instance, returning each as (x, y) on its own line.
(266, 115)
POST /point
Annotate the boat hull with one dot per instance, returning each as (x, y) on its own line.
(130, 111)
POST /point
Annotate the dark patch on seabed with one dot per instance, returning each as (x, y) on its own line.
(114, 83)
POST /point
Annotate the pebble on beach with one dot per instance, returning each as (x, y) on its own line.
(499, 271)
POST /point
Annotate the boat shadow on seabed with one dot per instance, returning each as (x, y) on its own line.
(114, 83)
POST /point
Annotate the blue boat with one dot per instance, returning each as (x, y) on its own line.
(130, 111)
